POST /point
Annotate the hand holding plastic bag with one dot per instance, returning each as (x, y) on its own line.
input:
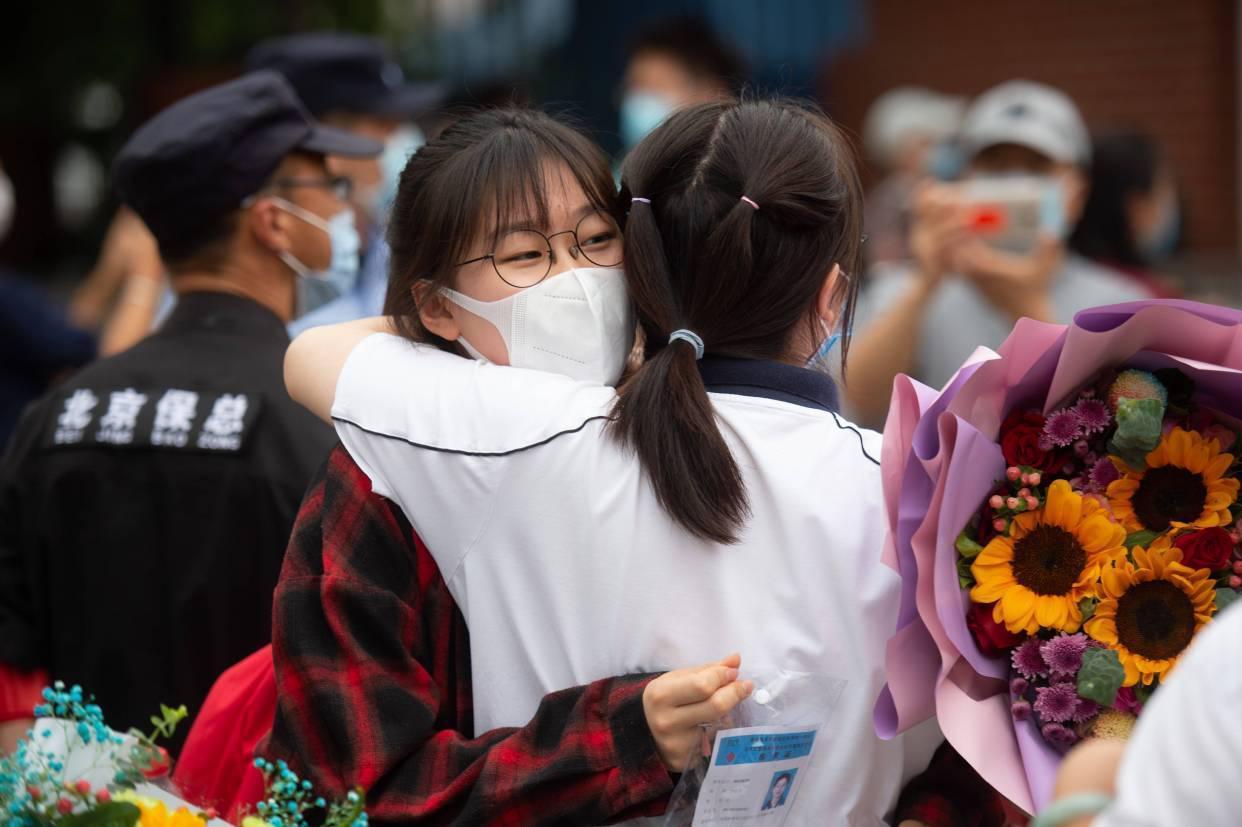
(780, 699)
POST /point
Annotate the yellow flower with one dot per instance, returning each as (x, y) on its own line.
(1150, 609)
(254, 821)
(1183, 485)
(155, 814)
(1114, 724)
(1050, 560)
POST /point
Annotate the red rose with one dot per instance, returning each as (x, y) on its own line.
(993, 638)
(1208, 548)
(1020, 436)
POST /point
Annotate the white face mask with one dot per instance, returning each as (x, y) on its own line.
(8, 205)
(578, 323)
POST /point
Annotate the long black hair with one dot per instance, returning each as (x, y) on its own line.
(742, 278)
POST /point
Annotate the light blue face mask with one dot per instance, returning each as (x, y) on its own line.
(342, 272)
(945, 162)
(642, 112)
(401, 144)
(821, 355)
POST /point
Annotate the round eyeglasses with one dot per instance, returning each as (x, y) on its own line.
(523, 258)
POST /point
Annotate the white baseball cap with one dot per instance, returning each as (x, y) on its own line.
(908, 111)
(1027, 114)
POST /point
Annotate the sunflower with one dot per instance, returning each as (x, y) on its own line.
(1183, 485)
(1049, 561)
(1150, 609)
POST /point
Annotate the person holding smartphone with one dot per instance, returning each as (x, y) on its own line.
(986, 251)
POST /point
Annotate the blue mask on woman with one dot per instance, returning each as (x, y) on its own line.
(824, 349)
(642, 112)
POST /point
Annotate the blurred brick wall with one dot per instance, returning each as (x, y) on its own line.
(1167, 66)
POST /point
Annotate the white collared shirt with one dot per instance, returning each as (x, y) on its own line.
(567, 570)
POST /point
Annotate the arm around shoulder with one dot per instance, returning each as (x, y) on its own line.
(316, 358)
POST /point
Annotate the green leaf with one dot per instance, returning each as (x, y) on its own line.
(1101, 676)
(1087, 607)
(1142, 539)
(112, 814)
(1224, 597)
(964, 575)
(967, 547)
(1139, 425)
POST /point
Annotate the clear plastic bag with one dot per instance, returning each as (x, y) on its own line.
(781, 698)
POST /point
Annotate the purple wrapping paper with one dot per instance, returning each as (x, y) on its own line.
(941, 459)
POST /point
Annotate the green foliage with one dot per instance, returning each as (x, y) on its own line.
(1140, 539)
(967, 547)
(1101, 676)
(112, 814)
(1224, 598)
(1139, 425)
(965, 577)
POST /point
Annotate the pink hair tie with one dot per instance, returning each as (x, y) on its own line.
(748, 201)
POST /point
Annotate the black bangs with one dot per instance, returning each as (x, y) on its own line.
(502, 183)
(485, 174)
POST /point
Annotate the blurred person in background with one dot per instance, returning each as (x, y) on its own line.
(128, 246)
(349, 81)
(962, 291)
(146, 504)
(907, 133)
(37, 343)
(1132, 219)
(675, 62)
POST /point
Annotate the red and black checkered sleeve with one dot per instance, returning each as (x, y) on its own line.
(949, 793)
(373, 675)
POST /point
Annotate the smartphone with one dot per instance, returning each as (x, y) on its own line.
(1010, 213)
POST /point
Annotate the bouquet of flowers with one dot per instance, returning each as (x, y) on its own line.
(72, 770)
(1064, 518)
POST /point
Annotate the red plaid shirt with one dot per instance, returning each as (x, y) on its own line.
(372, 664)
(373, 672)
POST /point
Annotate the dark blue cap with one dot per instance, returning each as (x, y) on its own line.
(201, 157)
(345, 73)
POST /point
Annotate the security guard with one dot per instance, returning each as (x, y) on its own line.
(349, 81)
(145, 505)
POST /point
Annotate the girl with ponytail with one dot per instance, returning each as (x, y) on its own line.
(715, 498)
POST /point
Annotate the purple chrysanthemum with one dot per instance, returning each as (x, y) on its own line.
(1063, 653)
(1084, 711)
(1027, 660)
(1021, 710)
(1093, 415)
(1056, 703)
(1018, 687)
(1062, 427)
(1103, 473)
(1058, 735)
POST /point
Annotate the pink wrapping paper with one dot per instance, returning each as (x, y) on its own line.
(941, 459)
